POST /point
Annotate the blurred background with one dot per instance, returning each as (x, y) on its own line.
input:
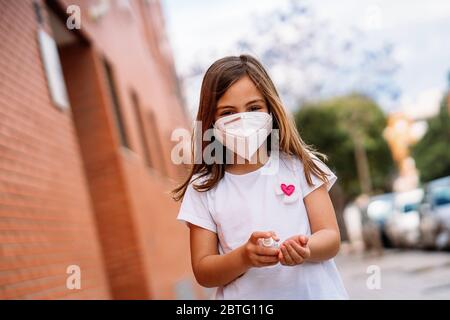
(91, 91)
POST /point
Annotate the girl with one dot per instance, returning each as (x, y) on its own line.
(236, 210)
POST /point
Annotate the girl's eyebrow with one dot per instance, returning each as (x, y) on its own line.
(254, 100)
(250, 102)
(223, 107)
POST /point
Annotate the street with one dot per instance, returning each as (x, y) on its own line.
(403, 274)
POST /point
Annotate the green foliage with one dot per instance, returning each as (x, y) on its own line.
(330, 127)
(432, 153)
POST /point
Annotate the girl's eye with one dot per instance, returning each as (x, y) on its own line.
(225, 113)
(255, 108)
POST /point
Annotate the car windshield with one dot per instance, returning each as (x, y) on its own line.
(410, 207)
(441, 196)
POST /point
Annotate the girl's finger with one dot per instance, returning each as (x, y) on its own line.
(286, 255)
(303, 240)
(259, 234)
(293, 253)
(268, 259)
(300, 250)
(281, 258)
(264, 251)
(274, 236)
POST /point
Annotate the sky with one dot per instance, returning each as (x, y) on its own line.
(419, 30)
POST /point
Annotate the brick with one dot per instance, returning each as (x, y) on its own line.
(69, 192)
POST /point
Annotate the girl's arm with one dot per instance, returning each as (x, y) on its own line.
(213, 270)
(325, 240)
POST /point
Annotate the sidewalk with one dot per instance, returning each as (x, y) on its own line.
(404, 275)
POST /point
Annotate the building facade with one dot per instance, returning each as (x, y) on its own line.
(85, 147)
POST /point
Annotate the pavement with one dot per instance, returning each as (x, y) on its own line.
(396, 274)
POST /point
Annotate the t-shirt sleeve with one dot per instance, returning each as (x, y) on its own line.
(317, 182)
(194, 209)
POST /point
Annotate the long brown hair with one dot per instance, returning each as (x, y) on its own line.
(220, 76)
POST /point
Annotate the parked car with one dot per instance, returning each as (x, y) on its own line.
(402, 227)
(379, 209)
(435, 215)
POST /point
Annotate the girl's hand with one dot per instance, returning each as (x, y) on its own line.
(256, 255)
(294, 251)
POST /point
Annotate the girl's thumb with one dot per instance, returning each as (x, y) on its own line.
(303, 240)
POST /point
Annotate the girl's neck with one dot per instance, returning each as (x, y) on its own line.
(243, 166)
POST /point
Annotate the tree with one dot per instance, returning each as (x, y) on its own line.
(309, 57)
(432, 152)
(349, 130)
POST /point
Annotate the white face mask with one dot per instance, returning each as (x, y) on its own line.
(243, 133)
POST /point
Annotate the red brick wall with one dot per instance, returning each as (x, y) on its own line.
(164, 240)
(95, 128)
(70, 166)
(146, 207)
(46, 218)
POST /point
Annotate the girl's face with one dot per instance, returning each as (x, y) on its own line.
(242, 96)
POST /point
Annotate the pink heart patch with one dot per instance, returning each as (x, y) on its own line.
(287, 189)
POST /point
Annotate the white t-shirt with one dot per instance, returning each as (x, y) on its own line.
(241, 204)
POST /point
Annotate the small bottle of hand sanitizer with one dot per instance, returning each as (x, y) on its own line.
(269, 242)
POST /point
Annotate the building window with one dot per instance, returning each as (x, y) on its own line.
(157, 140)
(116, 105)
(53, 69)
(141, 127)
